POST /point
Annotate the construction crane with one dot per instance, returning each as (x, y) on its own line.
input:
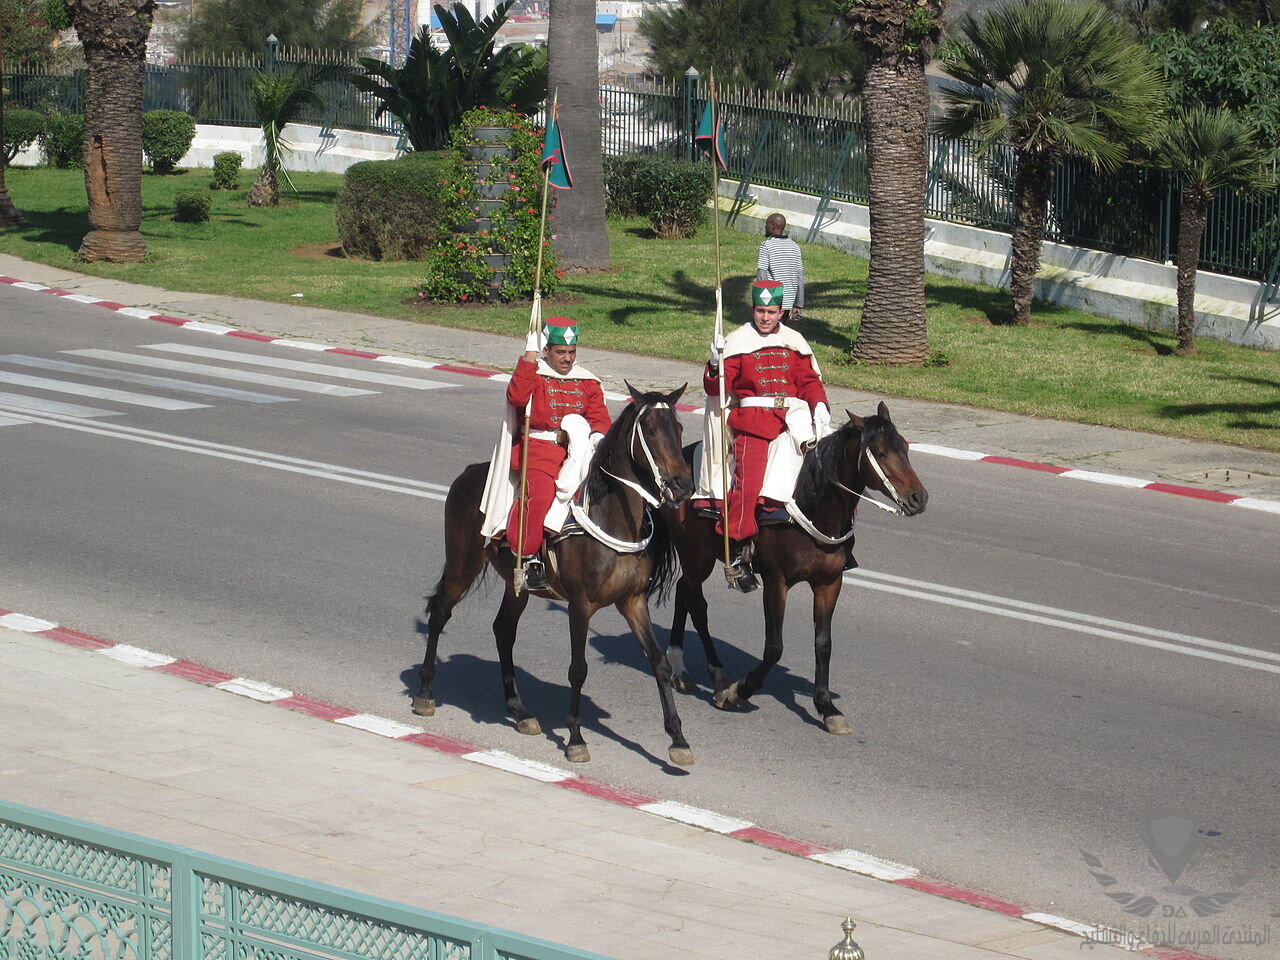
(402, 15)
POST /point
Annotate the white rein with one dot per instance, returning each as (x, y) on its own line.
(581, 513)
(806, 524)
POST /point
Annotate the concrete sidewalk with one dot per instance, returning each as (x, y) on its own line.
(135, 748)
(1234, 470)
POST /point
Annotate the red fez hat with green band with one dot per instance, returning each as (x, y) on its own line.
(563, 332)
(766, 293)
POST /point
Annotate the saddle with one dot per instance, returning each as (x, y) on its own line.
(765, 515)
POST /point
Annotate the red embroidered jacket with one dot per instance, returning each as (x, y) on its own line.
(768, 372)
(553, 400)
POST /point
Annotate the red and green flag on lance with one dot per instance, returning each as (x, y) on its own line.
(710, 135)
(554, 161)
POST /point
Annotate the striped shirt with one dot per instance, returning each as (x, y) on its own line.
(780, 260)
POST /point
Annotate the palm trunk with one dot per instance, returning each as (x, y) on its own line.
(9, 215)
(1190, 230)
(265, 191)
(895, 101)
(582, 239)
(114, 36)
(1031, 186)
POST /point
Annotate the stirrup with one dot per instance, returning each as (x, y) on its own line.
(535, 575)
(739, 576)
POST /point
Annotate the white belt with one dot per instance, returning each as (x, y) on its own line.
(552, 435)
(775, 403)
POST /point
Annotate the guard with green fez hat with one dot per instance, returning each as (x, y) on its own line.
(567, 415)
(767, 293)
(774, 387)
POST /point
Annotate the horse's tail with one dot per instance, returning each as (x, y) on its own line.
(465, 564)
(666, 566)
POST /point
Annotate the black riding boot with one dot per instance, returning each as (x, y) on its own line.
(739, 573)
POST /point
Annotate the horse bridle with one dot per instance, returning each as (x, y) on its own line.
(582, 513)
(807, 525)
(890, 489)
(661, 482)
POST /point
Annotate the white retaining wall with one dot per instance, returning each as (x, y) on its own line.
(312, 152)
(1136, 291)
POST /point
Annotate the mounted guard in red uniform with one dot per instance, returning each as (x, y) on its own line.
(777, 408)
(566, 418)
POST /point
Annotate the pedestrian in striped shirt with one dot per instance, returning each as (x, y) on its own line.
(780, 260)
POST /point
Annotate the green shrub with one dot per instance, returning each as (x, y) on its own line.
(390, 209)
(673, 194)
(63, 140)
(191, 207)
(622, 185)
(21, 129)
(226, 168)
(166, 137)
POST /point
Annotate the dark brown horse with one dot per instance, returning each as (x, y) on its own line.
(836, 472)
(624, 557)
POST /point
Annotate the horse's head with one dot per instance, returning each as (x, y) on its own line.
(655, 446)
(881, 462)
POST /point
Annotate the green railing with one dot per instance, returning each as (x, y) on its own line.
(789, 143)
(74, 891)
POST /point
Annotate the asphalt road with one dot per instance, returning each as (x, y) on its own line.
(1033, 668)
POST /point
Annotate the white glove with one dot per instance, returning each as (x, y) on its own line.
(822, 421)
(717, 348)
(595, 440)
(534, 342)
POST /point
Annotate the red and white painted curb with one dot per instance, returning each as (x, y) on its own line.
(1215, 496)
(853, 861)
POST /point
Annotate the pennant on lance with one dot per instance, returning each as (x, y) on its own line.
(710, 135)
(554, 161)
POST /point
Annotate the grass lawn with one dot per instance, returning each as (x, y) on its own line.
(659, 300)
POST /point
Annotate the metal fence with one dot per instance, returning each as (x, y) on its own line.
(810, 145)
(73, 890)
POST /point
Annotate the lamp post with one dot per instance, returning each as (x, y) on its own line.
(269, 58)
(691, 77)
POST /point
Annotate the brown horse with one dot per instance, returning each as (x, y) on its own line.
(836, 472)
(624, 557)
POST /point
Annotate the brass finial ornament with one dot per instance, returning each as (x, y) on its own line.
(846, 949)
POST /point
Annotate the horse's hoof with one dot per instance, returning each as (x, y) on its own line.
(577, 753)
(837, 724)
(681, 756)
(728, 697)
(683, 683)
(424, 706)
(529, 726)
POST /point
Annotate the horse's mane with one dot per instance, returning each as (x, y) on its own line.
(612, 455)
(823, 459)
(613, 449)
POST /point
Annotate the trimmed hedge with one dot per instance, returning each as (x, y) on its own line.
(166, 138)
(622, 185)
(191, 207)
(389, 209)
(63, 140)
(672, 194)
(21, 129)
(226, 168)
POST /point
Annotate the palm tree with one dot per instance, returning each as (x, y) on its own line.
(434, 88)
(278, 98)
(1209, 149)
(896, 36)
(581, 237)
(1053, 78)
(113, 34)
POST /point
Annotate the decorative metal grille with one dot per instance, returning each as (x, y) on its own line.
(74, 891)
